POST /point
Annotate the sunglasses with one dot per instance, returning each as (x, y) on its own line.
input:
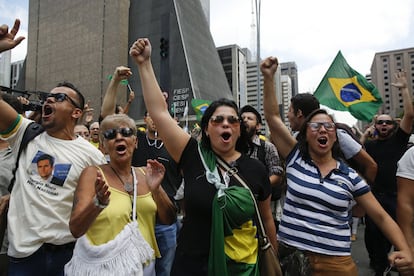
(387, 122)
(316, 126)
(60, 97)
(215, 120)
(111, 133)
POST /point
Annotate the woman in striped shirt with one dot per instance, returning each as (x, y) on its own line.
(320, 191)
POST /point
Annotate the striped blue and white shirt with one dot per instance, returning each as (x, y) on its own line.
(317, 209)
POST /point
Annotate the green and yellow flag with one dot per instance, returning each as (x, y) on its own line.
(342, 88)
(199, 107)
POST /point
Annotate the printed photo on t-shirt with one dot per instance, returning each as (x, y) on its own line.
(46, 169)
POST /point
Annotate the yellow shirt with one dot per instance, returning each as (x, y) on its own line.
(95, 144)
(113, 218)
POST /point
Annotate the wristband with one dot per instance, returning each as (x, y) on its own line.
(98, 204)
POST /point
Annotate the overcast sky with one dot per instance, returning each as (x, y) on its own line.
(309, 33)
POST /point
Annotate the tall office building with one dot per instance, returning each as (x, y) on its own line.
(290, 69)
(233, 60)
(5, 61)
(17, 73)
(77, 41)
(384, 65)
(252, 90)
(284, 97)
(84, 41)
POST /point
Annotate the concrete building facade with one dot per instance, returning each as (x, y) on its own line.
(233, 60)
(84, 41)
(383, 67)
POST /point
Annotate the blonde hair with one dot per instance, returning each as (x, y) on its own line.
(116, 119)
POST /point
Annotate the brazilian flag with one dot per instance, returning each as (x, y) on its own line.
(199, 107)
(342, 88)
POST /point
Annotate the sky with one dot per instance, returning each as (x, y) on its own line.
(309, 33)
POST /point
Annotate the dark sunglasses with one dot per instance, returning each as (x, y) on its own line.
(220, 119)
(60, 97)
(387, 122)
(111, 133)
(315, 126)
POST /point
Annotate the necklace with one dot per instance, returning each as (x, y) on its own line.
(127, 186)
(154, 144)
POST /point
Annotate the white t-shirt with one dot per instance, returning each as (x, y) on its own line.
(406, 165)
(348, 145)
(39, 210)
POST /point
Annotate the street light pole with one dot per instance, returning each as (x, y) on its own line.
(257, 2)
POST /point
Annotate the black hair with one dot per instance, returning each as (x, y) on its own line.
(81, 98)
(46, 157)
(242, 143)
(303, 143)
(305, 102)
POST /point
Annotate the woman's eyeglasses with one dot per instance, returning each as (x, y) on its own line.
(60, 97)
(215, 120)
(315, 126)
(111, 133)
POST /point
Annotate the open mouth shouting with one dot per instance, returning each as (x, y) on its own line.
(322, 142)
(120, 149)
(47, 111)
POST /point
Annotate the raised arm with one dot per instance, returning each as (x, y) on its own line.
(131, 97)
(406, 123)
(109, 101)
(7, 39)
(7, 114)
(174, 138)
(281, 136)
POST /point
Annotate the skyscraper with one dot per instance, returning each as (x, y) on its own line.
(383, 67)
(84, 41)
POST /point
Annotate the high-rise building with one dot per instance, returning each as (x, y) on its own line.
(383, 67)
(252, 90)
(17, 70)
(284, 97)
(290, 69)
(84, 41)
(233, 60)
(5, 61)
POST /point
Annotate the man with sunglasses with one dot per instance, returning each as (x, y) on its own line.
(39, 211)
(386, 150)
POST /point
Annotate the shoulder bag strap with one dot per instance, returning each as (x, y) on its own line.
(261, 230)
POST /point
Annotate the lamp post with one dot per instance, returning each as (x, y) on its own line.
(257, 7)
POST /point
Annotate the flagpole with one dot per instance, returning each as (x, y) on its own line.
(186, 117)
